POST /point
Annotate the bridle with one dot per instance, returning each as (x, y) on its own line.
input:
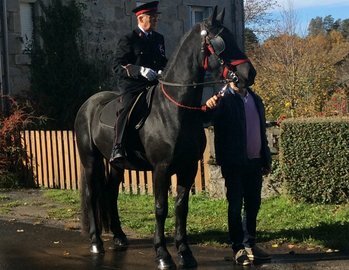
(216, 46)
(209, 46)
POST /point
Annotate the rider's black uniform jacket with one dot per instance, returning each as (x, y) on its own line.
(139, 50)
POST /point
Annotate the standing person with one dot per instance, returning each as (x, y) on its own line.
(242, 152)
(138, 58)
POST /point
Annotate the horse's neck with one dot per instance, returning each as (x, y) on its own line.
(184, 70)
(183, 65)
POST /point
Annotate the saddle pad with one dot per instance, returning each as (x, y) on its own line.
(108, 113)
(137, 114)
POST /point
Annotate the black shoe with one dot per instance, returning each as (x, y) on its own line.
(117, 154)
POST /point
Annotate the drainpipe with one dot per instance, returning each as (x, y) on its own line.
(5, 82)
(238, 21)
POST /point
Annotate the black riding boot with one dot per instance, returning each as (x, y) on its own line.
(117, 154)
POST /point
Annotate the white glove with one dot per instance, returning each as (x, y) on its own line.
(148, 73)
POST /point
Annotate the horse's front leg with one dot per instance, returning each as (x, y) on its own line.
(115, 178)
(184, 183)
(161, 179)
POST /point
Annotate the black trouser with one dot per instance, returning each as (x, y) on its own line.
(124, 105)
(244, 185)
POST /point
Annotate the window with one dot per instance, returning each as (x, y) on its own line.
(26, 17)
(198, 14)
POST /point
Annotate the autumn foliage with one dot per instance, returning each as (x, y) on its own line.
(11, 153)
(297, 76)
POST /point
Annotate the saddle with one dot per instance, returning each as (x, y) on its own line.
(137, 115)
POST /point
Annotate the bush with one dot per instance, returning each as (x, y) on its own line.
(314, 159)
(12, 154)
(10, 180)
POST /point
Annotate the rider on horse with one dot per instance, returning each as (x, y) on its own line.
(139, 57)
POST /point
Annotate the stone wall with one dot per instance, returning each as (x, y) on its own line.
(105, 21)
(216, 187)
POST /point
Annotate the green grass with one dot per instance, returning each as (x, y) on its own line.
(4, 198)
(279, 220)
(69, 203)
(207, 221)
(5, 208)
(12, 204)
(70, 197)
(62, 213)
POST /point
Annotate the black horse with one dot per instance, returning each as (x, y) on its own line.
(171, 139)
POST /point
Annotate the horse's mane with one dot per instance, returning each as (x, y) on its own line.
(174, 55)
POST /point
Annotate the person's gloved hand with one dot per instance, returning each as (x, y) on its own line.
(148, 73)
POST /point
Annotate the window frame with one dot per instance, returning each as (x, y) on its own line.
(25, 39)
(206, 11)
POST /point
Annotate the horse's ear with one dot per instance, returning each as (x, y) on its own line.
(213, 18)
(220, 16)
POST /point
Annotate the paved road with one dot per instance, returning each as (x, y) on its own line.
(35, 247)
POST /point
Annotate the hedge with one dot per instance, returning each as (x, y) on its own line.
(314, 159)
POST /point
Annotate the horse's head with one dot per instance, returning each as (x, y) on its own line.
(221, 55)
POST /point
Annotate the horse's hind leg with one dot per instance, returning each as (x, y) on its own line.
(115, 178)
(93, 178)
(161, 179)
(185, 180)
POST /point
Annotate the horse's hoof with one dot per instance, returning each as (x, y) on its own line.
(186, 259)
(164, 259)
(166, 263)
(97, 249)
(120, 243)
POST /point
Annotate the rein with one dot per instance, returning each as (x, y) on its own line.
(202, 108)
(194, 84)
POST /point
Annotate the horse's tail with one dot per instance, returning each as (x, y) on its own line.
(85, 224)
(96, 198)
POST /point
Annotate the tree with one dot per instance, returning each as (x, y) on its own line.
(316, 26)
(251, 39)
(327, 24)
(295, 75)
(344, 28)
(257, 17)
(62, 78)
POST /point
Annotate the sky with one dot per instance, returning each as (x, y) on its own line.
(306, 10)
